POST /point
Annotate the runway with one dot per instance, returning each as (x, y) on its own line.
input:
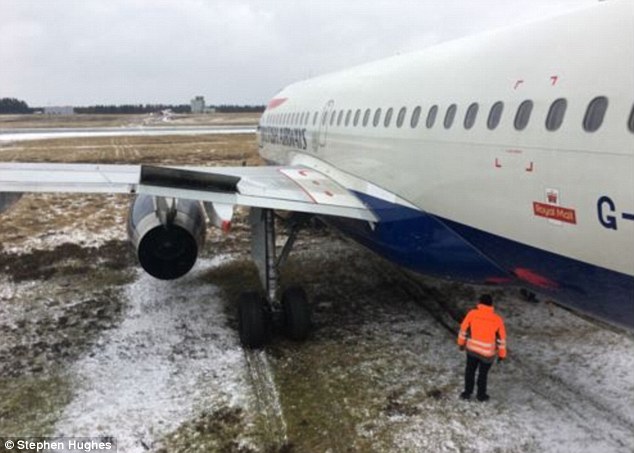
(13, 135)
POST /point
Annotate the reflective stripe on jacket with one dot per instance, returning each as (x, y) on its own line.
(483, 332)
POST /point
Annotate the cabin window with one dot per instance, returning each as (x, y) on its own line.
(339, 117)
(630, 122)
(306, 118)
(301, 118)
(348, 115)
(315, 115)
(595, 114)
(333, 115)
(366, 117)
(523, 115)
(357, 115)
(495, 115)
(556, 114)
(450, 115)
(431, 116)
(401, 117)
(388, 117)
(415, 117)
(377, 117)
(470, 116)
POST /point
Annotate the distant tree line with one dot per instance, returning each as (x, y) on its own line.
(12, 105)
(149, 108)
(238, 108)
(133, 108)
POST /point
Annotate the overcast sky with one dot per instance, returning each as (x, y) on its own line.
(84, 52)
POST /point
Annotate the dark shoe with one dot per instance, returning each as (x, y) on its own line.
(465, 396)
(483, 398)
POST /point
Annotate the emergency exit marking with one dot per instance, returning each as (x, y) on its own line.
(549, 211)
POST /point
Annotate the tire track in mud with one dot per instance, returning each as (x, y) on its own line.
(267, 397)
(553, 389)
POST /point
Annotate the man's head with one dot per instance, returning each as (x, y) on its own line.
(486, 299)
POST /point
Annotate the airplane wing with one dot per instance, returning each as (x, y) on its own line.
(291, 188)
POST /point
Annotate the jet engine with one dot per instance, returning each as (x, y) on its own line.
(167, 234)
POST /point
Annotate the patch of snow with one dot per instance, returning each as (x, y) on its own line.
(171, 356)
(567, 386)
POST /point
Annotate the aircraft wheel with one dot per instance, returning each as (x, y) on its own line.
(253, 320)
(297, 313)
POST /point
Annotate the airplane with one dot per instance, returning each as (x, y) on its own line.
(506, 158)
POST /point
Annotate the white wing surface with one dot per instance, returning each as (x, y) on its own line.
(284, 188)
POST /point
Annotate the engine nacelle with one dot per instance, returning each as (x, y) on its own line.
(167, 234)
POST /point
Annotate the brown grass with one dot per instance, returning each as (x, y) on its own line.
(42, 214)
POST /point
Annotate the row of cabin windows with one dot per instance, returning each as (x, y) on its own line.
(592, 121)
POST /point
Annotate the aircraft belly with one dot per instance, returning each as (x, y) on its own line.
(440, 247)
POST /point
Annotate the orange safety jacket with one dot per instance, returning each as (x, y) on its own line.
(483, 332)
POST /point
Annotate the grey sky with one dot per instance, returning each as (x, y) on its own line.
(82, 52)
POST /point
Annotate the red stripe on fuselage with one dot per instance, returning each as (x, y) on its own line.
(276, 102)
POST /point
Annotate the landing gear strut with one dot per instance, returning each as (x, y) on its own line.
(258, 314)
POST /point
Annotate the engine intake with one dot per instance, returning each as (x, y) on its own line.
(167, 234)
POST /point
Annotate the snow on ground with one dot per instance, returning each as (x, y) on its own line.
(65, 235)
(171, 357)
(566, 387)
(379, 374)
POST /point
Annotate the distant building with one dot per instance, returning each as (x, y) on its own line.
(198, 104)
(59, 110)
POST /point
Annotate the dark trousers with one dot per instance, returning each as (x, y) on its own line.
(473, 363)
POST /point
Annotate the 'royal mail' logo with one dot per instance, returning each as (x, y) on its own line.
(550, 211)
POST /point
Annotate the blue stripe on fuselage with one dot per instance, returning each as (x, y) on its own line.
(419, 242)
(440, 247)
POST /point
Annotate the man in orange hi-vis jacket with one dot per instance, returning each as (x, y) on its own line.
(482, 332)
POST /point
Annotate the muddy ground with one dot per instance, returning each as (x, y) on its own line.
(91, 346)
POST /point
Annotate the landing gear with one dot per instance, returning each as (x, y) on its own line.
(254, 321)
(259, 314)
(296, 313)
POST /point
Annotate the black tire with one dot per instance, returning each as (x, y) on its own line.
(297, 313)
(253, 321)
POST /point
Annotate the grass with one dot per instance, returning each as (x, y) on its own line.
(30, 405)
